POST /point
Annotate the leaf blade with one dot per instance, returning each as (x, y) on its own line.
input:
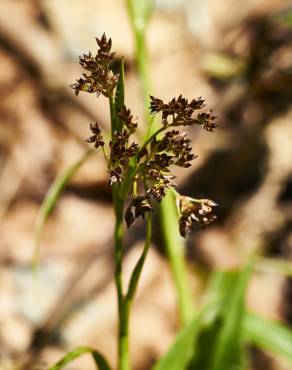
(269, 335)
(50, 201)
(184, 346)
(182, 349)
(99, 359)
(228, 350)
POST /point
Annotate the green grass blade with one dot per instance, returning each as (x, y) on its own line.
(100, 361)
(269, 335)
(175, 249)
(50, 201)
(135, 276)
(219, 294)
(228, 350)
(181, 351)
(185, 347)
(120, 97)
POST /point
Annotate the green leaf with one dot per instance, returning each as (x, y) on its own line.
(214, 339)
(99, 360)
(120, 96)
(184, 347)
(269, 335)
(181, 351)
(50, 201)
(223, 292)
(174, 245)
(228, 349)
(135, 276)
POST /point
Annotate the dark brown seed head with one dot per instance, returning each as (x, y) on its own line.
(126, 116)
(99, 79)
(206, 120)
(195, 212)
(139, 206)
(97, 137)
(156, 105)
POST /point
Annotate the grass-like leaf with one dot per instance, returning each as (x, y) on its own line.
(99, 360)
(50, 201)
(228, 347)
(174, 245)
(120, 96)
(181, 351)
(185, 348)
(269, 335)
(220, 338)
(213, 340)
(135, 276)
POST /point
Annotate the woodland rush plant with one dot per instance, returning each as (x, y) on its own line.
(218, 334)
(140, 172)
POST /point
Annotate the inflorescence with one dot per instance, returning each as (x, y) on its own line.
(154, 158)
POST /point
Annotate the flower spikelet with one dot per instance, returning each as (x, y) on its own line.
(100, 79)
(138, 207)
(194, 212)
(97, 137)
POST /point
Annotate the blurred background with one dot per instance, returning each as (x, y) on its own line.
(238, 57)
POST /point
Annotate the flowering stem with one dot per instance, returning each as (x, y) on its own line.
(123, 310)
(168, 212)
(123, 352)
(118, 250)
(128, 299)
(125, 302)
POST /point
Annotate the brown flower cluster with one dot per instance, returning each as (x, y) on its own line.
(127, 118)
(154, 161)
(180, 112)
(172, 149)
(100, 79)
(194, 212)
(96, 136)
(138, 207)
(154, 157)
(120, 153)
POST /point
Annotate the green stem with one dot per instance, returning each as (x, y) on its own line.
(141, 55)
(168, 213)
(175, 251)
(118, 201)
(123, 350)
(125, 302)
(118, 249)
(139, 20)
(150, 137)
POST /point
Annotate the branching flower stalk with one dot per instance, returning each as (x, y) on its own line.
(140, 173)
